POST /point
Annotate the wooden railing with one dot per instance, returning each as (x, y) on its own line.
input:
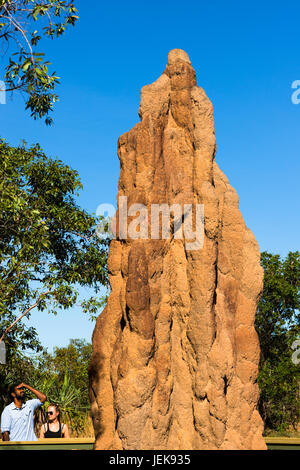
(273, 443)
(285, 443)
(50, 444)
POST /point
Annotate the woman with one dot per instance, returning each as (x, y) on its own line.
(54, 428)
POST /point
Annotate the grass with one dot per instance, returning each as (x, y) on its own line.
(287, 433)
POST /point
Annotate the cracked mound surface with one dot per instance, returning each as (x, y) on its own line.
(175, 353)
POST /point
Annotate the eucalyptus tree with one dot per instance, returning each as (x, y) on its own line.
(48, 244)
(23, 25)
(278, 327)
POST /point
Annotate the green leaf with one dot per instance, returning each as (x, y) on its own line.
(26, 65)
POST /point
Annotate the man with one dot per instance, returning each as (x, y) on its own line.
(17, 418)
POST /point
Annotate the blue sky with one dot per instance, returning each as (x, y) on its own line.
(246, 56)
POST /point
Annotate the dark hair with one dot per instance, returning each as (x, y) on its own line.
(12, 389)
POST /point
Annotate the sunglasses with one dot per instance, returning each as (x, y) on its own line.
(20, 388)
(49, 412)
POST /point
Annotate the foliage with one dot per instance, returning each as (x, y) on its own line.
(69, 365)
(63, 377)
(23, 24)
(17, 369)
(47, 242)
(278, 326)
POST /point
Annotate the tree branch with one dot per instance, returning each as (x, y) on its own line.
(23, 314)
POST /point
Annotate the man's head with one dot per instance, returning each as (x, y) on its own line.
(17, 391)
